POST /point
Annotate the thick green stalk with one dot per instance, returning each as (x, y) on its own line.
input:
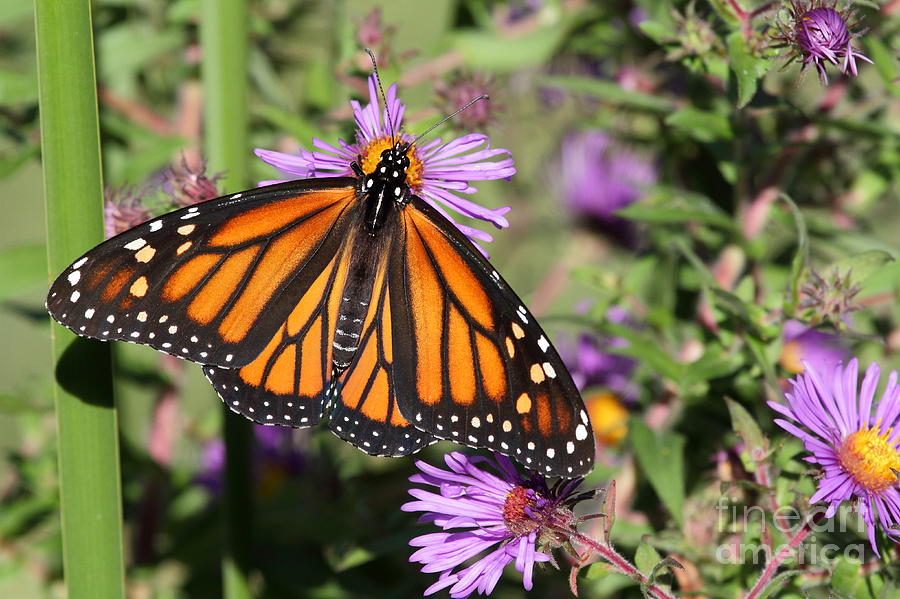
(90, 491)
(223, 36)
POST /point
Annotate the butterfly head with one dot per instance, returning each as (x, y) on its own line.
(387, 185)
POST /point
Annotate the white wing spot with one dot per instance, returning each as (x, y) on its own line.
(142, 316)
(530, 446)
(229, 357)
(584, 417)
(155, 226)
(89, 313)
(543, 343)
(454, 418)
(194, 339)
(570, 447)
(80, 263)
(236, 196)
(473, 439)
(548, 368)
(173, 329)
(507, 426)
(136, 334)
(189, 215)
(550, 452)
(110, 319)
(75, 295)
(580, 432)
(167, 345)
(74, 277)
(136, 244)
(476, 422)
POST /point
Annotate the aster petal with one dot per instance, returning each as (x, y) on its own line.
(467, 207)
(289, 163)
(888, 409)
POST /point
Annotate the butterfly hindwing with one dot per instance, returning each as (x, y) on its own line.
(477, 368)
(207, 283)
(365, 411)
(289, 382)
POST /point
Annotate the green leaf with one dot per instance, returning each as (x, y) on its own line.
(747, 67)
(747, 429)
(612, 93)
(668, 206)
(489, 51)
(801, 258)
(859, 267)
(18, 88)
(703, 126)
(122, 56)
(646, 558)
(661, 457)
(647, 351)
(22, 269)
(885, 63)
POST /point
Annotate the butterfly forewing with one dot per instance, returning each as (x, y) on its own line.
(478, 369)
(210, 283)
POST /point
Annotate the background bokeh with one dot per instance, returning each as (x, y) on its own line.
(695, 118)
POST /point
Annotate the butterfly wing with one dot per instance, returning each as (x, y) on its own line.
(292, 381)
(210, 283)
(365, 411)
(477, 369)
(289, 382)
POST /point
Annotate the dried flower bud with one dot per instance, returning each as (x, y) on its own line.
(188, 186)
(123, 209)
(461, 89)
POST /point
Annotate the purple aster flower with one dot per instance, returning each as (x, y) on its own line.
(858, 451)
(275, 458)
(599, 177)
(818, 33)
(510, 516)
(592, 366)
(438, 173)
(805, 344)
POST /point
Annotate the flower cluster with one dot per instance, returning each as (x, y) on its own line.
(515, 518)
(439, 172)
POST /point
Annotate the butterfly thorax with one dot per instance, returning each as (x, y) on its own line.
(385, 187)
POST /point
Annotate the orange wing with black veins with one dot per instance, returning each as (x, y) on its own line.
(210, 283)
(477, 368)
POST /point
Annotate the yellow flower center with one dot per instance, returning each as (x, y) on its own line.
(790, 357)
(608, 417)
(371, 155)
(870, 459)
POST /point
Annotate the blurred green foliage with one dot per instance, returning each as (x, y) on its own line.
(766, 180)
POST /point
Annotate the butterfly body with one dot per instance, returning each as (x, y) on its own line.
(348, 299)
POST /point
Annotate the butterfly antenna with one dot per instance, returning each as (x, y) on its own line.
(387, 110)
(447, 118)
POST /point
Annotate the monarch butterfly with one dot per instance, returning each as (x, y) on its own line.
(349, 298)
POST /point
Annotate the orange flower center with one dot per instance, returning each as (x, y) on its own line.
(870, 459)
(371, 155)
(608, 417)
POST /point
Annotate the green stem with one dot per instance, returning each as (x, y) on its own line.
(89, 477)
(223, 36)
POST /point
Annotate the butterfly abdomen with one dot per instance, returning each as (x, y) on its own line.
(364, 273)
